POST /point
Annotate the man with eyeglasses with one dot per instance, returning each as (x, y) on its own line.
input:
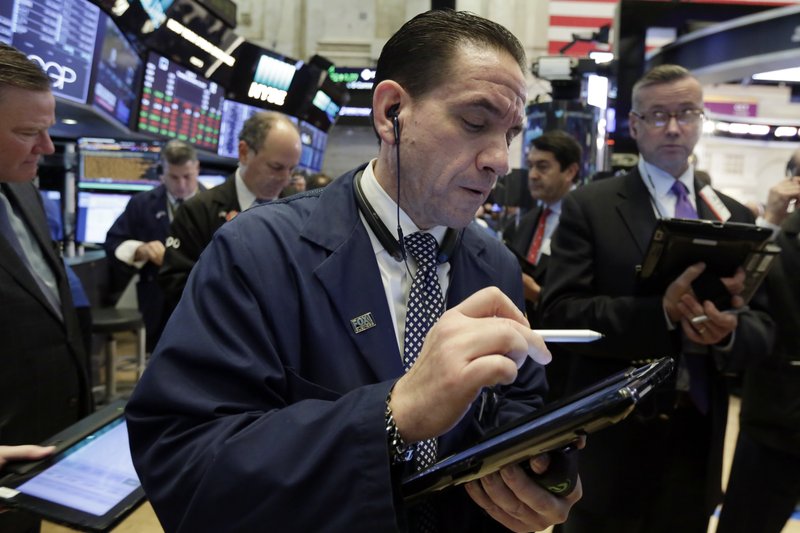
(660, 470)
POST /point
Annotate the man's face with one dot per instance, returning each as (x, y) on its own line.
(547, 181)
(181, 180)
(454, 140)
(25, 117)
(268, 170)
(668, 147)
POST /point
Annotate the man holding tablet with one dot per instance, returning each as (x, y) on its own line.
(659, 470)
(307, 367)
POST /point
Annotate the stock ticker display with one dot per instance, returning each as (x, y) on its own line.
(180, 104)
(59, 35)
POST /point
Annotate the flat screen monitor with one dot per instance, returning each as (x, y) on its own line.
(179, 104)
(96, 212)
(268, 80)
(233, 116)
(314, 141)
(118, 72)
(116, 165)
(193, 36)
(59, 35)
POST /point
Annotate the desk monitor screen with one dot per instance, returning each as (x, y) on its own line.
(118, 165)
(90, 485)
(96, 213)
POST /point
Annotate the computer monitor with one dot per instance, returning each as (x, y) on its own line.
(118, 165)
(118, 72)
(96, 213)
(233, 116)
(180, 104)
(59, 36)
(314, 141)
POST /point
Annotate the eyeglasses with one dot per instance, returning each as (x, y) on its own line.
(660, 119)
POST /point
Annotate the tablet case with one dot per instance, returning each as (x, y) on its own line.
(550, 428)
(678, 243)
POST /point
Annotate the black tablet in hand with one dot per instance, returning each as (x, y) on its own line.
(551, 428)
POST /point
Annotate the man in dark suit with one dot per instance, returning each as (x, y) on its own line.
(136, 239)
(764, 484)
(250, 406)
(554, 161)
(269, 149)
(660, 470)
(44, 381)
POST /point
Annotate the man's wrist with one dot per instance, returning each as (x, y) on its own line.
(399, 450)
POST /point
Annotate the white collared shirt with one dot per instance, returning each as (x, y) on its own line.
(244, 196)
(394, 276)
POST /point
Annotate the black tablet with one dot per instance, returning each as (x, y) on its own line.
(550, 428)
(677, 244)
(90, 484)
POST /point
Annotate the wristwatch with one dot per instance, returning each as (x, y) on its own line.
(399, 451)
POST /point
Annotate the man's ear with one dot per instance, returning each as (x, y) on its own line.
(633, 125)
(388, 98)
(244, 152)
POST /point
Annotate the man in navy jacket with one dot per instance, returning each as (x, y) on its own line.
(136, 239)
(266, 404)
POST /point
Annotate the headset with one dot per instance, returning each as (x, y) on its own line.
(394, 245)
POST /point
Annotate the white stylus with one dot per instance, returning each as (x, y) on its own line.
(569, 335)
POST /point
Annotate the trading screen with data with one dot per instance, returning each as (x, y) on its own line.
(180, 104)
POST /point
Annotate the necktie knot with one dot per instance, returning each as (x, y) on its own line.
(423, 248)
(683, 207)
(679, 190)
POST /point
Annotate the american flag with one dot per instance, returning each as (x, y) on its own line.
(584, 17)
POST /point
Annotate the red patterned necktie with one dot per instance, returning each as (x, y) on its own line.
(538, 237)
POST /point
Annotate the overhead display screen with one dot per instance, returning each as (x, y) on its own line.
(180, 104)
(59, 35)
(118, 72)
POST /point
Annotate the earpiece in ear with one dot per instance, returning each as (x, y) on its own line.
(393, 114)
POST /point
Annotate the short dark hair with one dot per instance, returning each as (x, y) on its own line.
(419, 55)
(177, 152)
(563, 146)
(19, 72)
(793, 165)
(256, 128)
(659, 75)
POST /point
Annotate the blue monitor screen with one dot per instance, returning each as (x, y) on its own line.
(179, 104)
(114, 165)
(59, 35)
(118, 72)
(233, 116)
(314, 141)
(96, 212)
